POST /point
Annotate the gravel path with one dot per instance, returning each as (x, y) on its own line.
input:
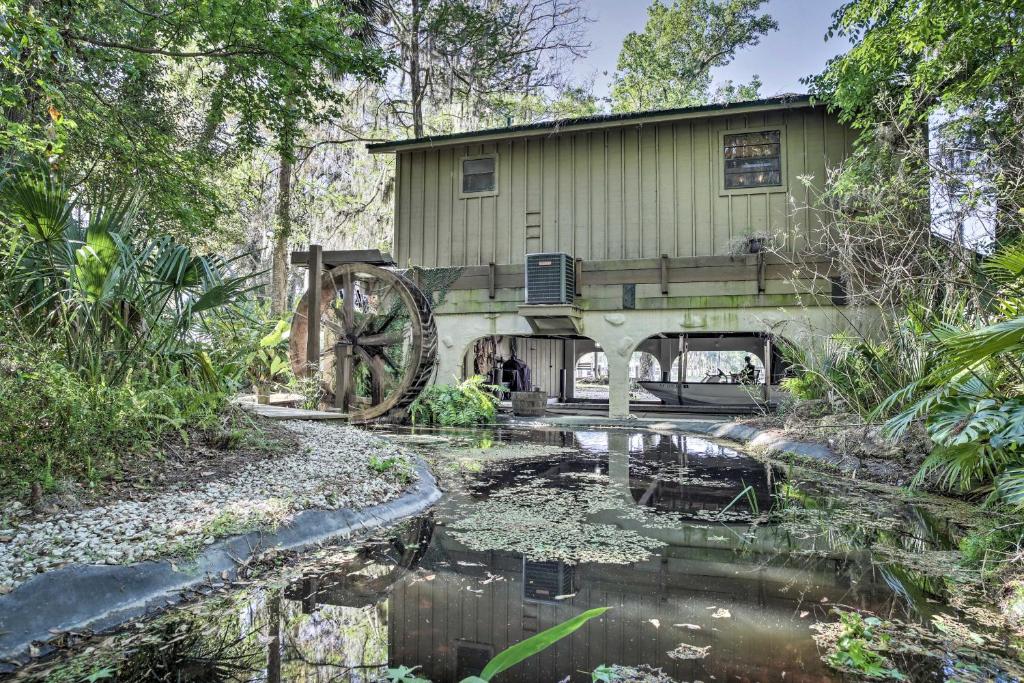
(333, 469)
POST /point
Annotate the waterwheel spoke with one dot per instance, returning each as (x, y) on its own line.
(386, 339)
(375, 365)
(379, 381)
(348, 303)
(333, 326)
(382, 297)
(388, 319)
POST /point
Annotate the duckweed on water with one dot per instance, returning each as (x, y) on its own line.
(556, 524)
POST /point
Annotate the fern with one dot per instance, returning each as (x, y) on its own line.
(466, 404)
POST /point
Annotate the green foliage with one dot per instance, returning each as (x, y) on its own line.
(111, 301)
(56, 425)
(270, 360)
(970, 399)
(913, 57)
(509, 657)
(468, 403)
(859, 373)
(110, 339)
(993, 544)
(399, 466)
(859, 648)
(165, 101)
(669, 63)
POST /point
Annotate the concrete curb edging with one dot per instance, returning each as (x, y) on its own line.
(776, 444)
(772, 442)
(100, 597)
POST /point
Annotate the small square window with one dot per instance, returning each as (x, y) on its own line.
(479, 176)
(752, 159)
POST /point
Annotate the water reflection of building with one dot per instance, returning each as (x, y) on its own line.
(752, 595)
(477, 604)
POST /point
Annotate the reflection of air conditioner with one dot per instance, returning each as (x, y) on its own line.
(547, 580)
(550, 279)
(471, 658)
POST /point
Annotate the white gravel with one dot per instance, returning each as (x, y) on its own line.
(331, 470)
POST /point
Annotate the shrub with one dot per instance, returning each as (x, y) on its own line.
(109, 337)
(462, 405)
(971, 400)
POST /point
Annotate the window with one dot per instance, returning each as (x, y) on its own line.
(752, 159)
(479, 175)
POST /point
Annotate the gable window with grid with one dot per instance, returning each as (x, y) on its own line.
(479, 175)
(753, 159)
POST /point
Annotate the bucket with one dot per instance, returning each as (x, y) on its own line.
(529, 403)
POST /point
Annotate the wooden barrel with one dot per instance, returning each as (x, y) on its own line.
(529, 403)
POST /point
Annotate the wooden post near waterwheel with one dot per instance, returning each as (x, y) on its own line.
(343, 367)
(315, 265)
(767, 368)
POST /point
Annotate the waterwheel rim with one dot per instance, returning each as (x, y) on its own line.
(377, 339)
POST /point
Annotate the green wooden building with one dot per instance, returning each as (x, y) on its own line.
(687, 231)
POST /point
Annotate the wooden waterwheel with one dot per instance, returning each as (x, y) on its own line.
(378, 343)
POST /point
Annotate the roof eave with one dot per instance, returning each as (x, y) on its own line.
(592, 123)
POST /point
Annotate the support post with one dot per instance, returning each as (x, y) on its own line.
(760, 272)
(767, 367)
(618, 384)
(664, 273)
(492, 277)
(315, 264)
(568, 393)
(343, 385)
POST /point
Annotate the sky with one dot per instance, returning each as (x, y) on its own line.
(797, 49)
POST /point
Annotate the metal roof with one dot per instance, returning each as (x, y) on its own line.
(599, 121)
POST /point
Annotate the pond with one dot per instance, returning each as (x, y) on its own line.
(715, 566)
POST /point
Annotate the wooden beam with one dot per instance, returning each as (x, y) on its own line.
(315, 262)
(337, 258)
(491, 274)
(664, 273)
(578, 276)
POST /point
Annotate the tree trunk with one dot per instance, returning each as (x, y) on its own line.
(282, 231)
(415, 86)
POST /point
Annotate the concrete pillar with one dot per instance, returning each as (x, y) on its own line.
(618, 465)
(450, 363)
(569, 366)
(618, 384)
(667, 350)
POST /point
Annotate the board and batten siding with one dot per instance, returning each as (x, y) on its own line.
(623, 192)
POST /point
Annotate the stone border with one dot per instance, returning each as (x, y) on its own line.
(101, 597)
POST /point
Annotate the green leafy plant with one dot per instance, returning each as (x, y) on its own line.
(860, 645)
(970, 401)
(110, 299)
(511, 656)
(269, 364)
(468, 403)
(400, 466)
(109, 338)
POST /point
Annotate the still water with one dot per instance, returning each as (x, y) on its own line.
(684, 539)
